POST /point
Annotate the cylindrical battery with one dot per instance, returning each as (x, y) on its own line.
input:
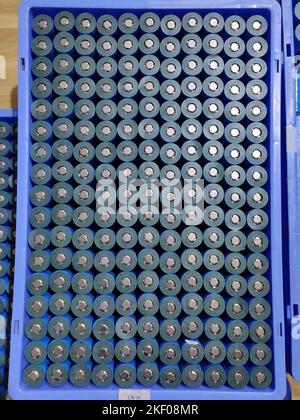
(149, 22)
(81, 351)
(259, 309)
(107, 25)
(171, 89)
(170, 377)
(84, 173)
(237, 354)
(260, 354)
(192, 327)
(214, 305)
(81, 328)
(63, 64)
(236, 286)
(259, 286)
(82, 283)
(104, 306)
(170, 330)
(237, 331)
(104, 283)
(126, 327)
(170, 47)
(125, 374)
(104, 239)
(235, 25)
(126, 260)
(40, 174)
(36, 306)
(170, 307)
(42, 24)
(36, 328)
(37, 284)
(170, 285)
(192, 376)
(257, 242)
(64, 21)
(215, 352)
(256, 68)
(260, 332)
(41, 88)
(80, 375)
(85, 45)
(148, 350)
(237, 308)
(103, 351)
(147, 374)
(258, 264)
(126, 304)
(170, 353)
(36, 352)
(125, 350)
(237, 377)
(128, 23)
(104, 261)
(38, 239)
(234, 46)
(41, 46)
(149, 43)
(213, 237)
(41, 67)
(85, 23)
(257, 47)
(148, 304)
(64, 42)
(192, 22)
(83, 217)
(215, 329)
(39, 261)
(82, 306)
(128, 66)
(63, 85)
(170, 262)
(215, 376)
(257, 219)
(104, 329)
(127, 44)
(192, 304)
(34, 375)
(261, 377)
(214, 282)
(191, 150)
(102, 375)
(60, 303)
(148, 281)
(192, 351)
(170, 25)
(170, 240)
(148, 327)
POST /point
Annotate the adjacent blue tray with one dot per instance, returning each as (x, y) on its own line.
(29, 8)
(291, 125)
(8, 116)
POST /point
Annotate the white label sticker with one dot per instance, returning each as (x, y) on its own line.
(135, 394)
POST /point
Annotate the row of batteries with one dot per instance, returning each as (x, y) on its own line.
(134, 314)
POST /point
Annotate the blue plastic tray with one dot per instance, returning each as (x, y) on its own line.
(8, 116)
(292, 140)
(271, 10)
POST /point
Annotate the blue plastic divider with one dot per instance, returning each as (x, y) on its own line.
(292, 138)
(272, 11)
(8, 116)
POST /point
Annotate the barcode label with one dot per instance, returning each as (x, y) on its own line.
(135, 394)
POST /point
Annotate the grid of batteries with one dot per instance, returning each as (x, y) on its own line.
(142, 297)
(297, 15)
(7, 215)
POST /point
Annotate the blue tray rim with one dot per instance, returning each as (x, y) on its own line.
(15, 387)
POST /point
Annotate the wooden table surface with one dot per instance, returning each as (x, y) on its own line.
(9, 78)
